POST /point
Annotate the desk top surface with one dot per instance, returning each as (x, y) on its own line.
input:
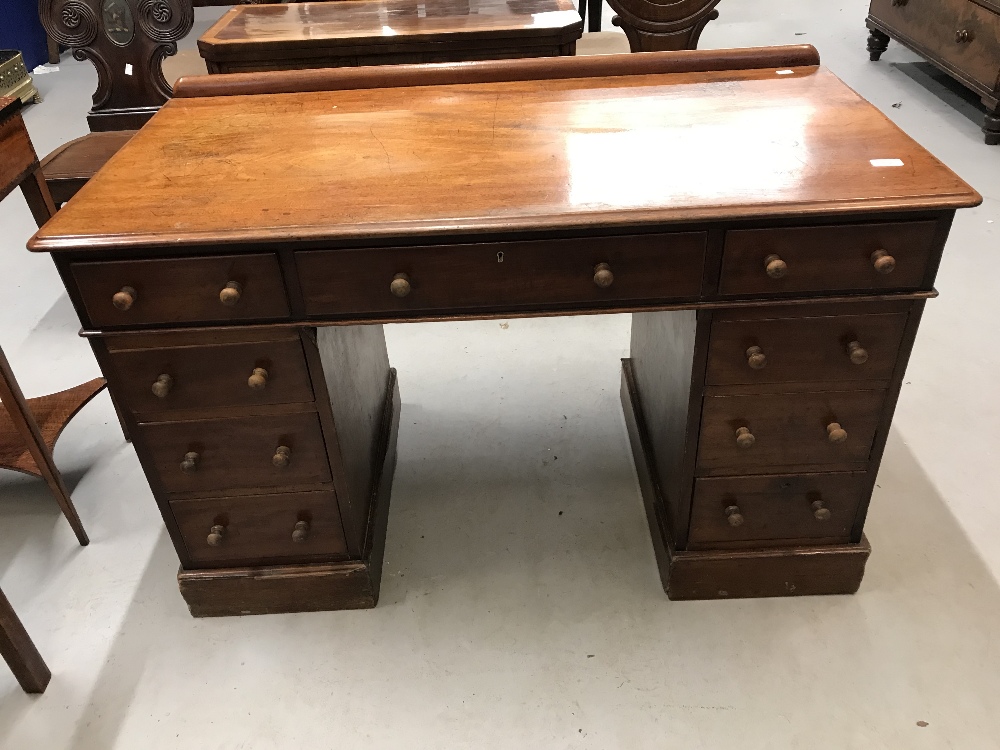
(511, 156)
(305, 24)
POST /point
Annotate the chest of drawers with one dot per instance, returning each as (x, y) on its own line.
(962, 37)
(773, 310)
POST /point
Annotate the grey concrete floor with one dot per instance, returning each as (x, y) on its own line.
(520, 604)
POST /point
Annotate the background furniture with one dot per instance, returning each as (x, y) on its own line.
(20, 653)
(384, 32)
(655, 25)
(14, 79)
(21, 30)
(775, 272)
(962, 37)
(661, 25)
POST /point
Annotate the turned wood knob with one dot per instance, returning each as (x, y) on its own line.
(883, 262)
(215, 535)
(162, 385)
(835, 433)
(603, 276)
(125, 298)
(400, 285)
(744, 438)
(258, 379)
(734, 516)
(282, 456)
(858, 354)
(820, 511)
(776, 268)
(190, 463)
(301, 531)
(963, 35)
(756, 358)
(231, 293)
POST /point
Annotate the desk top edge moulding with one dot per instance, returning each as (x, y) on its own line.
(774, 236)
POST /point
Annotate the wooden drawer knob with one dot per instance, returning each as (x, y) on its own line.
(776, 268)
(883, 262)
(858, 354)
(282, 456)
(162, 386)
(301, 531)
(734, 516)
(258, 379)
(216, 535)
(756, 358)
(603, 276)
(400, 285)
(745, 438)
(820, 511)
(125, 298)
(835, 433)
(231, 293)
(964, 35)
(190, 463)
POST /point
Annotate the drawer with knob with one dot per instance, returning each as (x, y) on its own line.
(802, 349)
(260, 528)
(835, 259)
(181, 290)
(516, 275)
(785, 432)
(162, 380)
(241, 453)
(775, 508)
(961, 33)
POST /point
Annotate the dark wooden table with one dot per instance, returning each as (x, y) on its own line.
(774, 235)
(382, 32)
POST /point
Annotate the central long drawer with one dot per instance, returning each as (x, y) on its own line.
(587, 271)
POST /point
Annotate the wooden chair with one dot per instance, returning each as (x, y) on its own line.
(19, 652)
(655, 25)
(127, 41)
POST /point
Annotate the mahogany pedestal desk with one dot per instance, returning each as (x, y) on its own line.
(773, 234)
(387, 32)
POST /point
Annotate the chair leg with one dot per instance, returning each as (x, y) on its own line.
(39, 199)
(595, 14)
(53, 49)
(19, 652)
(24, 421)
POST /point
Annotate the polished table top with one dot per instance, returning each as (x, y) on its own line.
(527, 155)
(367, 20)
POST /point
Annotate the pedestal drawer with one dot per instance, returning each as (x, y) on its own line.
(175, 290)
(162, 380)
(791, 508)
(589, 271)
(959, 32)
(769, 433)
(786, 350)
(854, 257)
(242, 453)
(255, 529)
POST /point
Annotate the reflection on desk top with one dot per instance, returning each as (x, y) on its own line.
(526, 155)
(369, 20)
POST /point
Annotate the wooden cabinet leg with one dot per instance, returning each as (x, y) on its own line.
(595, 14)
(19, 652)
(877, 44)
(991, 126)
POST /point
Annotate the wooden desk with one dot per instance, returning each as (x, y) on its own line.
(734, 201)
(383, 32)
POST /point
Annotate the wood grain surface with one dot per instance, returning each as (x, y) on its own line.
(485, 157)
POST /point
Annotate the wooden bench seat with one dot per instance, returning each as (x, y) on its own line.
(69, 167)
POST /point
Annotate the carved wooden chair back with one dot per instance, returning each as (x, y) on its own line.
(127, 41)
(663, 25)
